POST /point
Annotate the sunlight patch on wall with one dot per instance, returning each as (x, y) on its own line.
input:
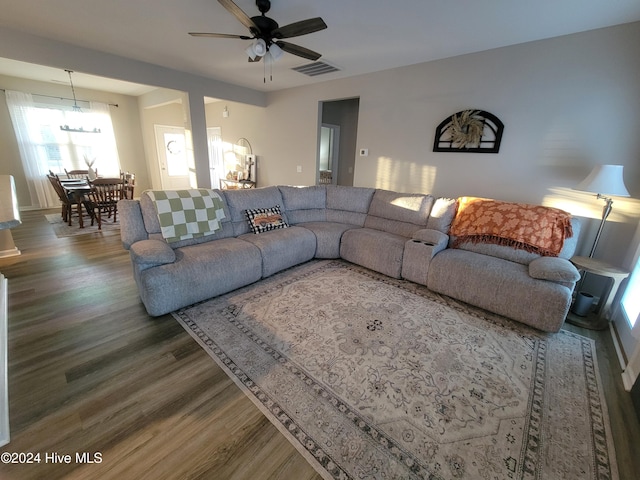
(586, 205)
(401, 176)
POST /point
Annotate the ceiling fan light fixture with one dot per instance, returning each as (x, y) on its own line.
(275, 51)
(257, 49)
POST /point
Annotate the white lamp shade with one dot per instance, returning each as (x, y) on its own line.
(275, 51)
(605, 180)
(257, 49)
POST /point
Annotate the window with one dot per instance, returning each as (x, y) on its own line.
(44, 146)
(631, 297)
(73, 150)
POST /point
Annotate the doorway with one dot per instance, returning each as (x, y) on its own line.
(329, 158)
(173, 158)
(337, 136)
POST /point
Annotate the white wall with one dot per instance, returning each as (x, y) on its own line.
(567, 104)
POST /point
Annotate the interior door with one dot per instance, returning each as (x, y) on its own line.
(173, 160)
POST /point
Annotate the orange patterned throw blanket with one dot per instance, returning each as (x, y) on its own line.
(533, 228)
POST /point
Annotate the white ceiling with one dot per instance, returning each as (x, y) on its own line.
(362, 36)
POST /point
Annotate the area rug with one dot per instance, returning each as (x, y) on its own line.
(376, 378)
(62, 229)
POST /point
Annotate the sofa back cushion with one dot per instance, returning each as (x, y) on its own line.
(400, 213)
(442, 214)
(239, 201)
(521, 256)
(348, 204)
(305, 204)
(152, 224)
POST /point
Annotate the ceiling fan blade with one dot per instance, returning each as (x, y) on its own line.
(237, 12)
(254, 60)
(219, 35)
(299, 51)
(302, 27)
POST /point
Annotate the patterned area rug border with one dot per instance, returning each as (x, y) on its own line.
(531, 455)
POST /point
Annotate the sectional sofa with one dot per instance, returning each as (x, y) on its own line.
(398, 234)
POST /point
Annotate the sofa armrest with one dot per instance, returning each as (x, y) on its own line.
(435, 238)
(418, 252)
(151, 253)
(554, 269)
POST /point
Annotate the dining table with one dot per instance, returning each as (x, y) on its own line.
(78, 189)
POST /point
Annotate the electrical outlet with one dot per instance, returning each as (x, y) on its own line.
(299, 169)
(364, 152)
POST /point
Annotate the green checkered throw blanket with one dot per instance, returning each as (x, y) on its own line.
(185, 214)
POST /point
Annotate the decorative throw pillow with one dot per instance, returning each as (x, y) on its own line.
(265, 219)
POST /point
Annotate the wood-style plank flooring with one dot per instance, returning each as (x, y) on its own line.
(90, 372)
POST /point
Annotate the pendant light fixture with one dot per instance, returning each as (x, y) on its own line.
(77, 112)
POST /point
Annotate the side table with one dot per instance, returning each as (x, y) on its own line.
(604, 269)
(236, 184)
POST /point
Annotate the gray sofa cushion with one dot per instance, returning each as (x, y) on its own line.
(403, 207)
(328, 236)
(499, 286)
(373, 249)
(353, 199)
(442, 214)
(239, 201)
(400, 213)
(306, 204)
(304, 198)
(283, 248)
(348, 204)
(199, 272)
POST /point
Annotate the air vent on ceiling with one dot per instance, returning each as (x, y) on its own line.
(316, 68)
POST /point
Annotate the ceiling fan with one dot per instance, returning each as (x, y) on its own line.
(267, 34)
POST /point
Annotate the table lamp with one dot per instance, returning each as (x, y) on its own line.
(605, 181)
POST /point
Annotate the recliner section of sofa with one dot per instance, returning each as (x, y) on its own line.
(397, 234)
(391, 220)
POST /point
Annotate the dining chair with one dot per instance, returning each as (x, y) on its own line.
(68, 200)
(76, 173)
(103, 198)
(129, 183)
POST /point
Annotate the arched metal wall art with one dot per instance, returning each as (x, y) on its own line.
(473, 131)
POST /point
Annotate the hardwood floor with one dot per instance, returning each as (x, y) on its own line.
(91, 372)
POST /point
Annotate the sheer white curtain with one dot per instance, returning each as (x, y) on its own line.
(21, 111)
(104, 148)
(44, 146)
(216, 155)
